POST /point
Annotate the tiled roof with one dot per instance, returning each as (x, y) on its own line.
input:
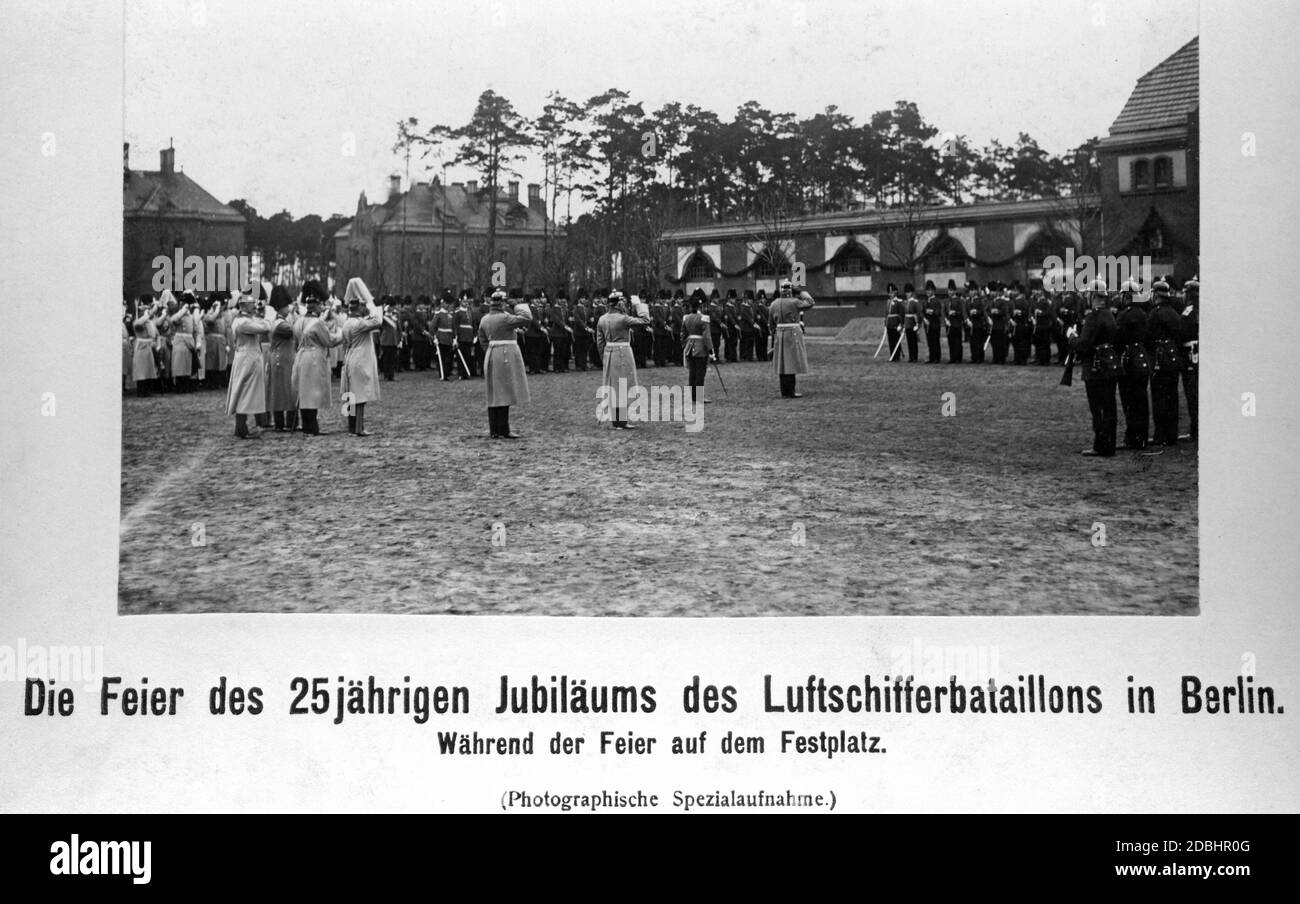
(155, 193)
(421, 208)
(1165, 95)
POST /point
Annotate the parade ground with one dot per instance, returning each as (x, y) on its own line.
(862, 498)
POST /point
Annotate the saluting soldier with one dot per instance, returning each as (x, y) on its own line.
(697, 347)
(314, 337)
(1191, 350)
(977, 323)
(894, 310)
(281, 400)
(247, 391)
(144, 365)
(1094, 344)
(1164, 343)
(1000, 323)
(955, 316)
(184, 341)
(360, 371)
(789, 357)
(1044, 320)
(932, 313)
(613, 332)
(216, 357)
(912, 319)
(503, 370)
(536, 347)
(1136, 365)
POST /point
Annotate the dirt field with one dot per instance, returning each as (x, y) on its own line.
(901, 510)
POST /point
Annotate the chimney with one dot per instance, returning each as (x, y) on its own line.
(472, 187)
(535, 201)
(168, 156)
(512, 193)
(394, 185)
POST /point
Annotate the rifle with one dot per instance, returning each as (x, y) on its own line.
(1067, 378)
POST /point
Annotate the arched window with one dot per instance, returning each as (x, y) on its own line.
(1041, 248)
(771, 263)
(853, 261)
(1141, 174)
(1163, 172)
(944, 254)
(699, 267)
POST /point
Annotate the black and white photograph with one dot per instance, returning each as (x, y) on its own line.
(663, 309)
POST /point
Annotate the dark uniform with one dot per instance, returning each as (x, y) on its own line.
(404, 333)
(764, 326)
(1164, 345)
(466, 340)
(1191, 349)
(421, 349)
(1136, 363)
(1000, 326)
(659, 331)
(1044, 323)
(443, 328)
(676, 314)
(476, 311)
(955, 315)
(579, 319)
(598, 310)
(1022, 330)
(912, 323)
(715, 319)
(894, 312)
(1094, 345)
(557, 329)
(933, 315)
(977, 322)
(537, 348)
(731, 328)
(748, 327)
(1067, 315)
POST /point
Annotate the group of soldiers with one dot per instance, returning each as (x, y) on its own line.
(561, 335)
(1015, 325)
(1141, 345)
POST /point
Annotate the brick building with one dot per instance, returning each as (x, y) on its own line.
(430, 237)
(1147, 205)
(164, 210)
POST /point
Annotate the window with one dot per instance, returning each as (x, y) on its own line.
(699, 267)
(1141, 174)
(771, 263)
(853, 261)
(945, 254)
(1041, 248)
(1164, 172)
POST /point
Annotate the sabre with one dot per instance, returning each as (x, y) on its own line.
(897, 346)
(460, 355)
(719, 373)
(987, 341)
(883, 337)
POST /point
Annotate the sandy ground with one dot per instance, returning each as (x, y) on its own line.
(900, 509)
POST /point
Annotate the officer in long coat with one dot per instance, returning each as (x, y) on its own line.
(789, 357)
(613, 338)
(246, 393)
(503, 368)
(314, 336)
(360, 369)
